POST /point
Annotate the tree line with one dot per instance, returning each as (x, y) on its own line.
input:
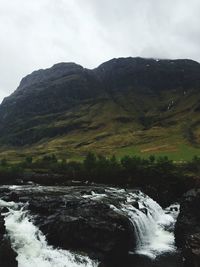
(99, 168)
(154, 173)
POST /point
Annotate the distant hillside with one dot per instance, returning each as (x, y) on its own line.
(125, 106)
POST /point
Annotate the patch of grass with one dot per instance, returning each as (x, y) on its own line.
(114, 126)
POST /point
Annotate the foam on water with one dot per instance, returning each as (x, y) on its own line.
(151, 224)
(31, 245)
(153, 228)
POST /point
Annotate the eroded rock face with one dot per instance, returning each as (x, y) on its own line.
(187, 230)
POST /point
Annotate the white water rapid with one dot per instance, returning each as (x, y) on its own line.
(31, 246)
(153, 225)
(153, 228)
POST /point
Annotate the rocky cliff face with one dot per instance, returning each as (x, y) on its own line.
(149, 75)
(188, 228)
(121, 96)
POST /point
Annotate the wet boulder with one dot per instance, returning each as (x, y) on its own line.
(87, 226)
(187, 230)
(84, 219)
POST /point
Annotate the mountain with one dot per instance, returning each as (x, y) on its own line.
(125, 106)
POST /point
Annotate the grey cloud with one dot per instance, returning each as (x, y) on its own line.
(37, 34)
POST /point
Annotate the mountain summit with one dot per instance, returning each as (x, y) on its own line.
(126, 104)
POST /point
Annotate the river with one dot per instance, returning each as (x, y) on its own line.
(152, 226)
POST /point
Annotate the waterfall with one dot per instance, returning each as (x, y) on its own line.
(153, 226)
(31, 245)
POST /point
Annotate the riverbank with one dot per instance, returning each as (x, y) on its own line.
(161, 178)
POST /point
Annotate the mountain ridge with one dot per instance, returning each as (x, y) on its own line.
(123, 103)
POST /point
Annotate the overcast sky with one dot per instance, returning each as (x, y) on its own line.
(39, 33)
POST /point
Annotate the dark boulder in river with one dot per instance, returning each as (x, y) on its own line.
(80, 219)
(187, 231)
(84, 225)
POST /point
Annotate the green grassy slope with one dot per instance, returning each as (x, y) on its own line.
(107, 127)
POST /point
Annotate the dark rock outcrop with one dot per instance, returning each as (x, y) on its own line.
(86, 226)
(187, 231)
(73, 221)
